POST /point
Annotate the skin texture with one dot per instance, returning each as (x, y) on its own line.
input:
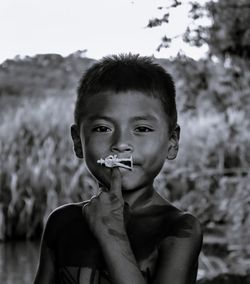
(126, 124)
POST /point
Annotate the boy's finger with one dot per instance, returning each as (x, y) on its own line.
(116, 183)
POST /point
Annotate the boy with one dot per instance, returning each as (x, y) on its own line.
(127, 233)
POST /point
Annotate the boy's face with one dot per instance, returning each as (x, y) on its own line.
(125, 124)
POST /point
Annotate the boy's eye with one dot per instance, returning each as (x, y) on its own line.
(101, 129)
(143, 129)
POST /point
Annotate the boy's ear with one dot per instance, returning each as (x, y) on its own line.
(173, 144)
(77, 141)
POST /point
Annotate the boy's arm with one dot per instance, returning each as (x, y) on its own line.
(45, 272)
(178, 254)
(122, 265)
(104, 214)
(46, 267)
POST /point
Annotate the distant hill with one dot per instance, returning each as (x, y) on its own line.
(36, 75)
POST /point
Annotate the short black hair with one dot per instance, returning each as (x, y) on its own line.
(126, 72)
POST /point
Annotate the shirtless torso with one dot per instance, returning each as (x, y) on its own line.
(77, 254)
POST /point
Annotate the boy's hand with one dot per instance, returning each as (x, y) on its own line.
(104, 212)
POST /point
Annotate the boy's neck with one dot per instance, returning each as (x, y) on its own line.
(139, 198)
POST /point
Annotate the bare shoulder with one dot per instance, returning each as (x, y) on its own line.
(180, 248)
(69, 210)
(187, 225)
(184, 235)
(55, 228)
(59, 218)
(179, 223)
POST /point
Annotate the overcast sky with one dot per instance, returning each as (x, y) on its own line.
(103, 27)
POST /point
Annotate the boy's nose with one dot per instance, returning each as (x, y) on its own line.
(122, 147)
(121, 144)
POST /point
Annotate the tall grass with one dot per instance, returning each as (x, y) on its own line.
(38, 169)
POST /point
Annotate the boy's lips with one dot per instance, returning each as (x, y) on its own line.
(136, 163)
(135, 160)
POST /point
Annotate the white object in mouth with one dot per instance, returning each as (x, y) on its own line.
(113, 161)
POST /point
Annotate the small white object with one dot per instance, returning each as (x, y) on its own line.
(113, 161)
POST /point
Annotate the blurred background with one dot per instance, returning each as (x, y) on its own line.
(46, 46)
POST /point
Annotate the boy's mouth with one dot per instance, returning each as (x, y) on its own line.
(113, 161)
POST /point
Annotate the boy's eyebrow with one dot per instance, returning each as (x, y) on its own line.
(145, 117)
(96, 117)
(135, 118)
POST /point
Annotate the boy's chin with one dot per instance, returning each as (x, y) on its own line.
(130, 180)
(127, 183)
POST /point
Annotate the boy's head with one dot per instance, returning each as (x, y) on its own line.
(126, 107)
(125, 73)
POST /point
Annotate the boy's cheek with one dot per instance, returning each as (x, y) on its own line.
(94, 150)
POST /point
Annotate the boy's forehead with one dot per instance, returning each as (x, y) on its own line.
(129, 93)
(130, 103)
(113, 97)
(128, 99)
